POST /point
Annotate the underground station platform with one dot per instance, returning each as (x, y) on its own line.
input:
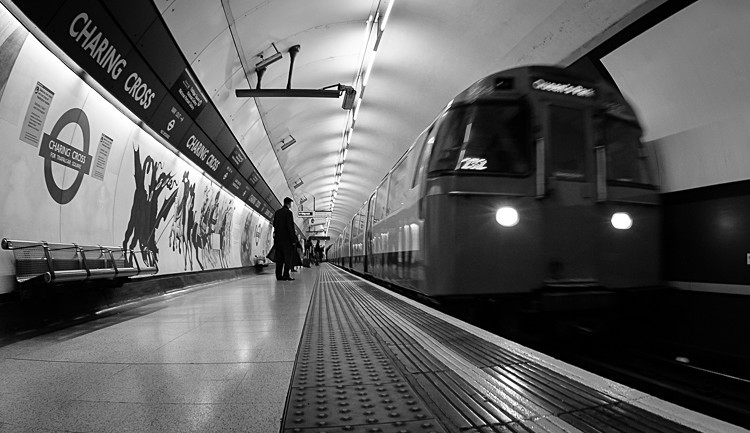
(328, 352)
(373, 361)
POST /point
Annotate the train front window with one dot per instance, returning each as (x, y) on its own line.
(483, 138)
(625, 160)
(567, 135)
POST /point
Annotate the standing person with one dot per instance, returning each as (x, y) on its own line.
(299, 257)
(308, 250)
(318, 253)
(285, 240)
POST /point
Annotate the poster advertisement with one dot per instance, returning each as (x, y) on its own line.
(77, 170)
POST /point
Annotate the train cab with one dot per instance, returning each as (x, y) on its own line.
(531, 178)
(539, 179)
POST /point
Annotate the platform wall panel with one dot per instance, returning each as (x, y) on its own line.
(706, 235)
(75, 169)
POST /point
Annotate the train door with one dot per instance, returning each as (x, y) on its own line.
(353, 235)
(368, 232)
(569, 208)
(346, 251)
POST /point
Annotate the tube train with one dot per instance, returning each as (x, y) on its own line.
(530, 179)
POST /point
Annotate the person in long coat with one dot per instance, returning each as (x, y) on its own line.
(285, 240)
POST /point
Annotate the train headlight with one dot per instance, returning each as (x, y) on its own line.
(622, 220)
(506, 216)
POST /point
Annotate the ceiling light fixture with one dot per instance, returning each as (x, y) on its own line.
(352, 101)
(369, 68)
(386, 15)
(356, 109)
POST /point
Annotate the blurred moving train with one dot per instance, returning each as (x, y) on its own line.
(530, 179)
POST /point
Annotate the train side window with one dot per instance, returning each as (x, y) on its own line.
(346, 242)
(626, 162)
(362, 228)
(489, 138)
(424, 156)
(451, 135)
(399, 186)
(370, 209)
(355, 226)
(380, 201)
(567, 142)
(498, 140)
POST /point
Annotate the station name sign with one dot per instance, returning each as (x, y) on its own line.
(65, 154)
(115, 54)
(563, 88)
(94, 42)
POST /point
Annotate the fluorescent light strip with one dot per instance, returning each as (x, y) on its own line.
(386, 15)
(374, 26)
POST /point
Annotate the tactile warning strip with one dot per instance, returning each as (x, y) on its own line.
(343, 379)
(473, 386)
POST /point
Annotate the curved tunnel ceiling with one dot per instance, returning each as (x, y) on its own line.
(429, 51)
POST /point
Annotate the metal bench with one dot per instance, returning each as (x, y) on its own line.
(127, 264)
(57, 263)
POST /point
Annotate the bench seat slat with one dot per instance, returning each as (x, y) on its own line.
(101, 273)
(148, 270)
(127, 272)
(69, 275)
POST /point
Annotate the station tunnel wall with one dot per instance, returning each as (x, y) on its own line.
(77, 170)
(706, 235)
(687, 78)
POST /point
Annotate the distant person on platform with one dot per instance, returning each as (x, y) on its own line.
(285, 240)
(309, 249)
(318, 253)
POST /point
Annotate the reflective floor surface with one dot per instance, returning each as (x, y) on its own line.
(215, 359)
